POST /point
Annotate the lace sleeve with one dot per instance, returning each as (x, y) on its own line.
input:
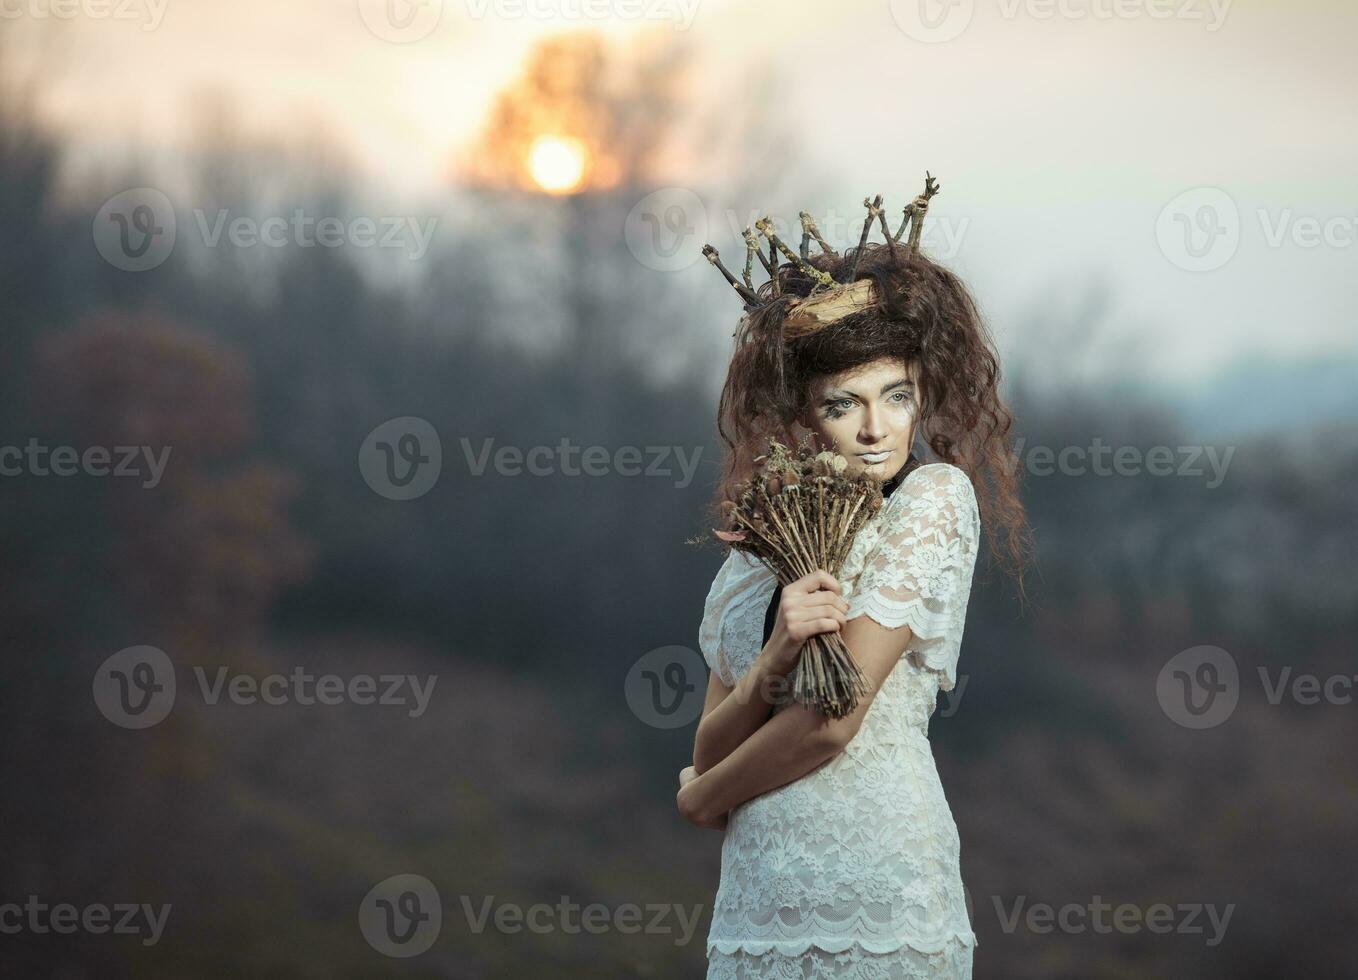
(918, 573)
(709, 632)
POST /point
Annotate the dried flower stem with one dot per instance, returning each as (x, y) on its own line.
(799, 514)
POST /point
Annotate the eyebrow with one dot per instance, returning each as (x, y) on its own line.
(902, 383)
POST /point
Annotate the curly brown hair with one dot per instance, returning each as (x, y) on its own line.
(924, 315)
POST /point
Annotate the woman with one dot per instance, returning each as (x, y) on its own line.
(841, 856)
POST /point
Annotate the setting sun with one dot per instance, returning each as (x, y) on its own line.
(557, 163)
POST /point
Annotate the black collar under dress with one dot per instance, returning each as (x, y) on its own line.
(771, 614)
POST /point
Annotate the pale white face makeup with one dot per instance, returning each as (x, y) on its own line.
(868, 415)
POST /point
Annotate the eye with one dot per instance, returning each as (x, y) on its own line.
(901, 396)
(833, 410)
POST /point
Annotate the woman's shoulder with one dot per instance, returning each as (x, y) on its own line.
(938, 474)
(934, 494)
(935, 483)
(737, 569)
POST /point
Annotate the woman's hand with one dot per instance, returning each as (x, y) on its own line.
(812, 605)
(687, 802)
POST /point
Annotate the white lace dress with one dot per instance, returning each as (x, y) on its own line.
(852, 870)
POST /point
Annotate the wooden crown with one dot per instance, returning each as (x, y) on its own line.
(829, 299)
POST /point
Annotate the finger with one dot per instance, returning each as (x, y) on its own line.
(819, 579)
(813, 627)
(830, 599)
(824, 610)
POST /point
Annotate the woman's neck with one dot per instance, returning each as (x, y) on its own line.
(898, 478)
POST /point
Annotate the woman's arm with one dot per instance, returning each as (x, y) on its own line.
(811, 605)
(797, 739)
(687, 775)
(731, 714)
(791, 744)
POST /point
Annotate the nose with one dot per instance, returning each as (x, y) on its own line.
(874, 428)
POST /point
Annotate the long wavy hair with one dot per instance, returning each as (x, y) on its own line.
(924, 315)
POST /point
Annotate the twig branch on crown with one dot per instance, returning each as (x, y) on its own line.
(874, 210)
(829, 299)
(914, 212)
(809, 229)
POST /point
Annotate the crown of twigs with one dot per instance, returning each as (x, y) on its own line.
(829, 300)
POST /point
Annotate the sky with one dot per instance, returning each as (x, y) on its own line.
(1075, 140)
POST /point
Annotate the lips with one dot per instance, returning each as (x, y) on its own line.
(872, 458)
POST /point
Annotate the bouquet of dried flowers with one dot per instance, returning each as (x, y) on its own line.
(797, 514)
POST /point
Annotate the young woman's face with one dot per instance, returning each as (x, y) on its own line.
(868, 415)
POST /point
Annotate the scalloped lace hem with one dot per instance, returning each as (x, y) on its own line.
(944, 664)
(840, 944)
(926, 623)
(931, 649)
